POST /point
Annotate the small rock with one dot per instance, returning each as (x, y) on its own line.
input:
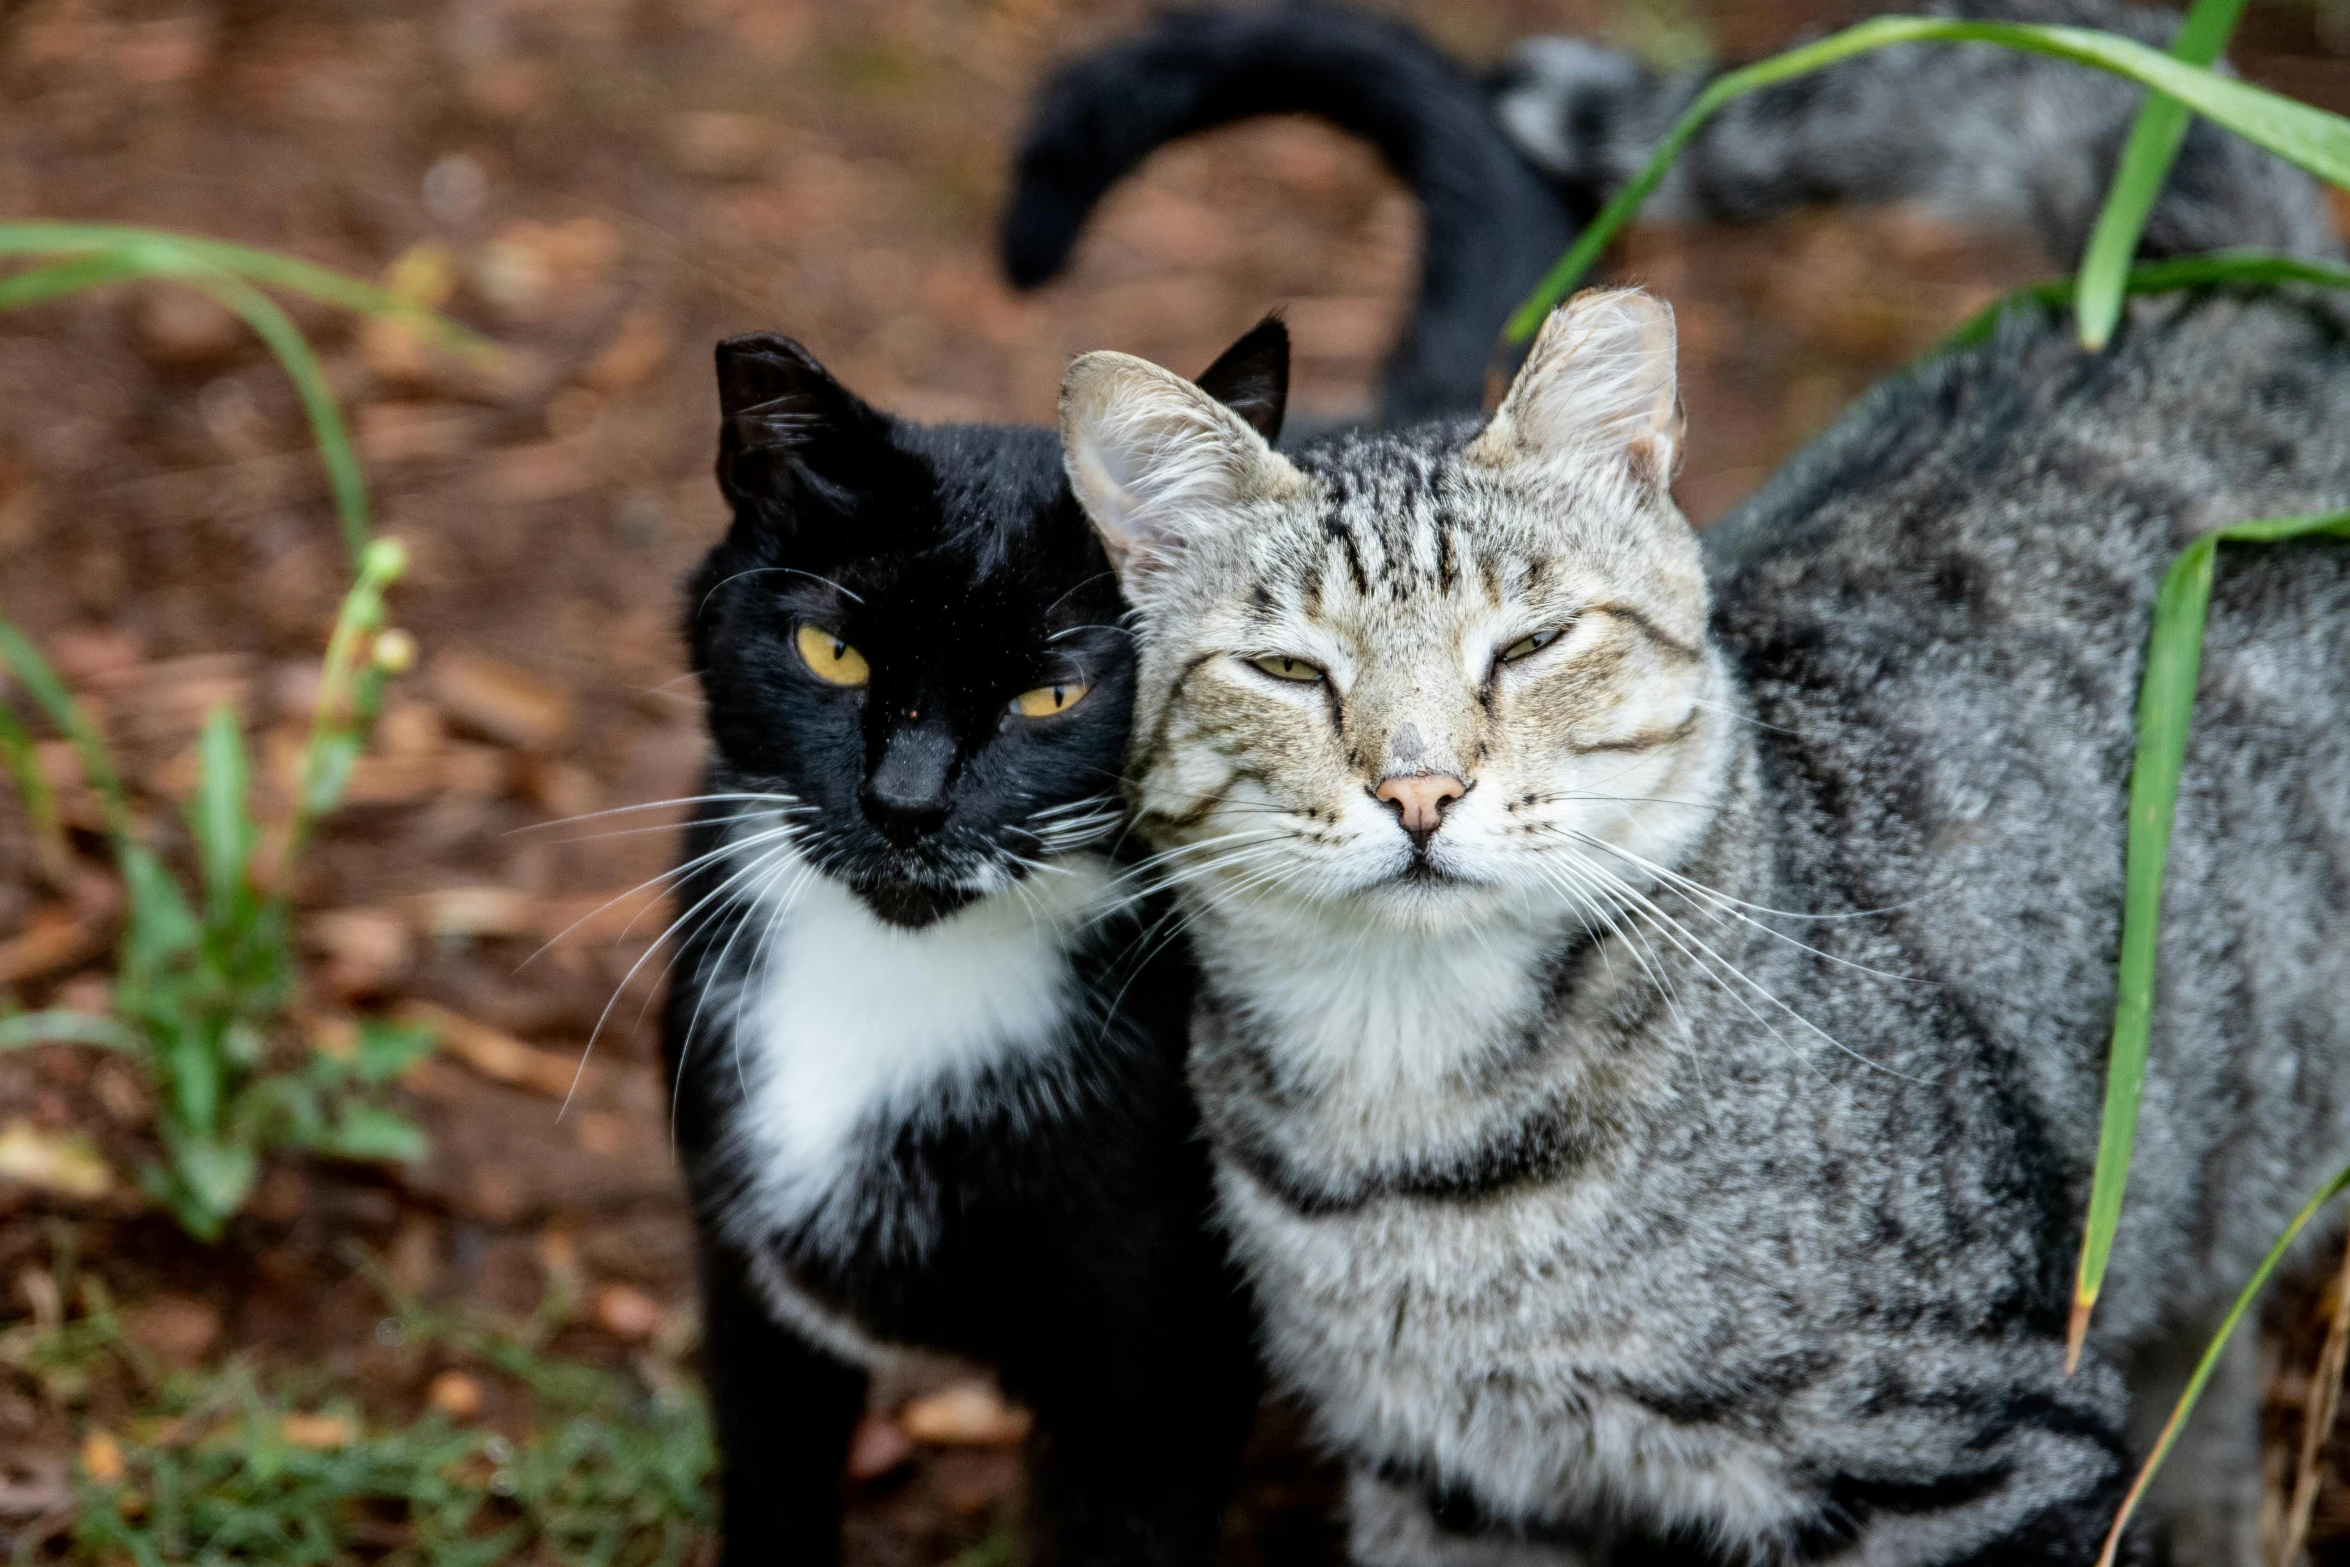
(175, 1329)
(65, 1163)
(967, 1414)
(323, 1433)
(102, 1458)
(454, 1394)
(627, 1312)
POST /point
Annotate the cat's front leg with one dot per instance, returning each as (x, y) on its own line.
(1392, 1525)
(785, 1412)
(1139, 1429)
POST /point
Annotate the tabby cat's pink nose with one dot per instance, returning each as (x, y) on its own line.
(1419, 801)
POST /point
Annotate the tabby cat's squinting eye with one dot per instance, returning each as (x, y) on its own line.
(1282, 667)
(1529, 645)
(830, 659)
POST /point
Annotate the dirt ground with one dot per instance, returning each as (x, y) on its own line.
(609, 186)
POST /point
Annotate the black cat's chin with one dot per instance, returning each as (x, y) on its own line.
(911, 905)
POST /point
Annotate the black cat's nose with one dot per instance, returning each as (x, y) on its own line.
(906, 793)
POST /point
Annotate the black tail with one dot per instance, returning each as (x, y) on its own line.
(1492, 225)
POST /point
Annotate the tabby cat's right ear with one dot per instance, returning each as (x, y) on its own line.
(1158, 463)
(784, 421)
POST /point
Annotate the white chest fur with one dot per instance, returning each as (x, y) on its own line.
(844, 1023)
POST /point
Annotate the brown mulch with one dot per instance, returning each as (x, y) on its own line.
(608, 187)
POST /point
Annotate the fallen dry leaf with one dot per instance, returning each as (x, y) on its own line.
(175, 1329)
(102, 1458)
(66, 1163)
(498, 1055)
(626, 1312)
(52, 939)
(321, 1432)
(503, 702)
(966, 1414)
(454, 1394)
(879, 1446)
(473, 911)
(636, 351)
(365, 949)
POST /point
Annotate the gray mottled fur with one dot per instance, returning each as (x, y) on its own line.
(1587, 1198)
(1977, 133)
(1781, 1264)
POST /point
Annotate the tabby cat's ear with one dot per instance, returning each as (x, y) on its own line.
(1601, 380)
(1157, 463)
(1252, 377)
(784, 420)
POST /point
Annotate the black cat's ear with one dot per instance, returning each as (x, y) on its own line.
(782, 416)
(1252, 377)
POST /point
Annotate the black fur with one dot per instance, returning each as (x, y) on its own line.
(1493, 226)
(1064, 1199)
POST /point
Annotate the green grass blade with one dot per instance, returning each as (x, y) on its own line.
(318, 398)
(66, 277)
(2211, 1355)
(2310, 137)
(2218, 268)
(23, 762)
(2138, 179)
(222, 814)
(66, 1028)
(26, 663)
(159, 252)
(2166, 699)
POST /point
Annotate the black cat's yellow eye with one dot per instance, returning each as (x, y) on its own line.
(1526, 645)
(1282, 667)
(830, 659)
(1045, 701)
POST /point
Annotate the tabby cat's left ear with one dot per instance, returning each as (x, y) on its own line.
(1601, 381)
(1158, 464)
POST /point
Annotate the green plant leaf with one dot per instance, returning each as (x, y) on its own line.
(67, 277)
(2312, 138)
(221, 813)
(26, 663)
(23, 761)
(2211, 1356)
(64, 1027)
(208, 1181)
(2166, 700)
(374, 1134)
(2138, 179)
(160, 926)
(193, 1067)
(386, 1049)
(163, 253)
(2216, 269)
(327, 430)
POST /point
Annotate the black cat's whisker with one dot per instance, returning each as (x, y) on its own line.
(760, 571)
(673, 873)
(778, 800)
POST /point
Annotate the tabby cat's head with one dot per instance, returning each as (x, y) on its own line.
(1421, 674)
(908, 639)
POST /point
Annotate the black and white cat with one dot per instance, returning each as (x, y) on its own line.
(925, 1036)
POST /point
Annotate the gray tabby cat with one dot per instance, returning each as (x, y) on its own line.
(1654, 991)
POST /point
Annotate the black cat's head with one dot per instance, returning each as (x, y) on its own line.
(912, 631)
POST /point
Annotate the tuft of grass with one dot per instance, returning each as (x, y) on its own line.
(608, 1469)
(204, 984)
(2312, 138)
